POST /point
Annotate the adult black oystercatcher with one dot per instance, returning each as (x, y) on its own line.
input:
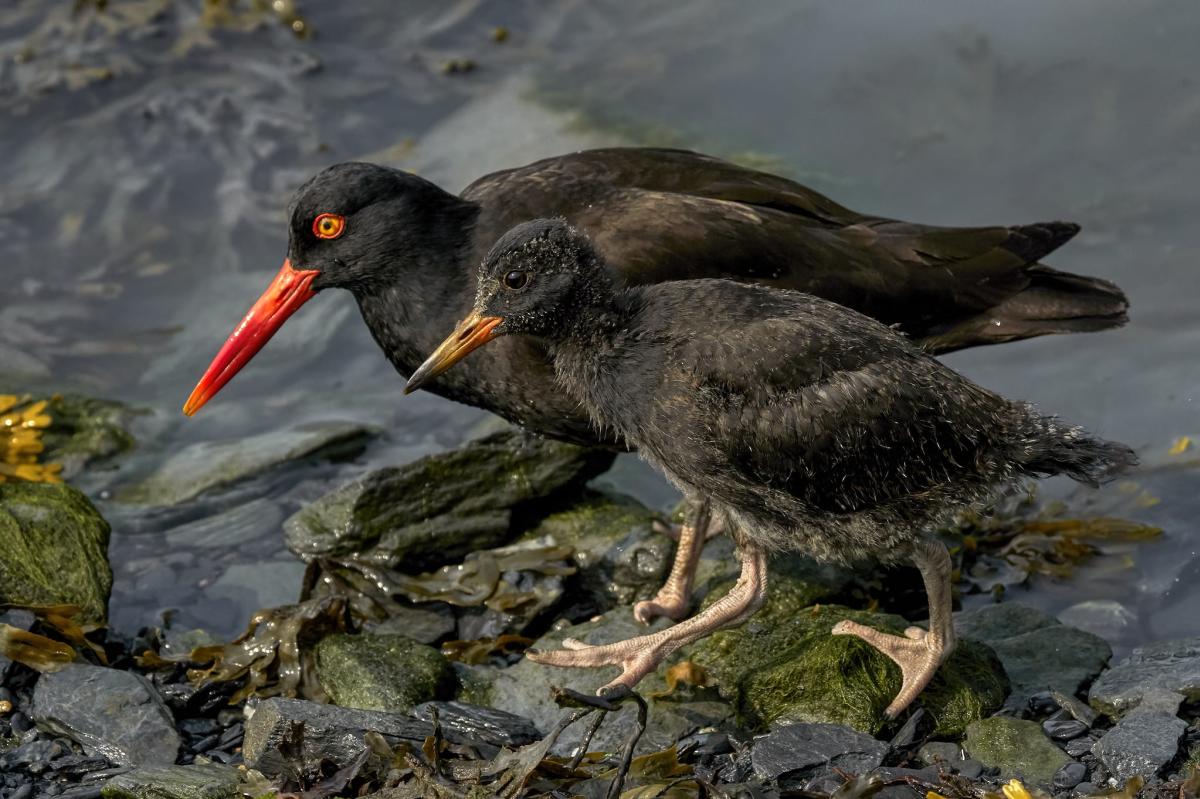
(408, 251)
(805, 424)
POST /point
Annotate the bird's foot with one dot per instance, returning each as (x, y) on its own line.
(917, 653)
(636, 657)
(668, 603)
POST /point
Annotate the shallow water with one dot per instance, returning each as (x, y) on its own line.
(142, 211)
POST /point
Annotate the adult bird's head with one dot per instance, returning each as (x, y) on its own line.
(537, 280)
(355, 226)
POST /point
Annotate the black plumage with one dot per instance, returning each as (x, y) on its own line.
(808, 425)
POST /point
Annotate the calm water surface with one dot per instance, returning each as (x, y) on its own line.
(148, 161)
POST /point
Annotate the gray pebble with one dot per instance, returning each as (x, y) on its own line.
(971, 769)
(1070, 775)
(24, 792)
(1080, 746)
(1085, 789)
(1064, 730)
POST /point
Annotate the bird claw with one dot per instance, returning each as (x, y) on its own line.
(670, 606)
(917, 654)
(636, 658)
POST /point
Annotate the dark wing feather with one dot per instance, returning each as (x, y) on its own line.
(659, 215)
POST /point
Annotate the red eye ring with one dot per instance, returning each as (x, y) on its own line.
(329, 226)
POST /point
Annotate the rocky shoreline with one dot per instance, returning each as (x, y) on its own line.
(398, 672)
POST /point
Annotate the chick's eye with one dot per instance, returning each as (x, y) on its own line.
(515, 280)
(329, 226)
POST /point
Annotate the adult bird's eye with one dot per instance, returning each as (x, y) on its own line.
(515, 280)
(329, 226)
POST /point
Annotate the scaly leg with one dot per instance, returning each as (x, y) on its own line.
(918, 653)
(639, 656)
(673, 598)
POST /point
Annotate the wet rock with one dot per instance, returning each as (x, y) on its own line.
(426, 623)
(284, 734)
(227, 530)
(1108, 619)
(1069, 776)
(53, 549)
(382, 672)
(207, 781)
(85, 430)
(793, 755)
(440, 508)
(462, 721)
(784, 666)
(1038, 651)
(1079, 747)
(111, 713)
(1172, 666)
(526, 690)
(1064, 729)
(1140, 744)
(1078, 710)
(621, 558)
(207, 465)
(1017, 747)
(936, 752)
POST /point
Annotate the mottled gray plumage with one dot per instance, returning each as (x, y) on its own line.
(810, 425)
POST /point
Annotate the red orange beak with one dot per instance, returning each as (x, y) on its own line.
(290, 289)
(471, 334)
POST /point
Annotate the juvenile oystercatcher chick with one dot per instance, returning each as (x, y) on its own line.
(807, 425)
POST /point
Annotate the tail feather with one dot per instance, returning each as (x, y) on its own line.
(1050, 447)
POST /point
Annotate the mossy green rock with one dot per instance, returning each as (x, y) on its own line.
(53, 549)
(440, 508)
(784, 665)
(84, 430)
(201, 781)
(1018, 747)
(621, 559)
(382, 672)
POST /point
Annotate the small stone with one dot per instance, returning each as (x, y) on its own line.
(110, 713)
(935, 752)
(797, 753)
(1064, 730)
(1167, 666)
(1080, 746)
(1086, 789)
(1069, 775)
(208, 781)
(1103, 617)
(970, 769)
(1017, 747)
(1043, 702)
(382, 672)
(1140, 744)
(1077, 709)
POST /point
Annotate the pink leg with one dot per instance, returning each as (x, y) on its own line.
(639, 656)
(673, 598)
(918, 653)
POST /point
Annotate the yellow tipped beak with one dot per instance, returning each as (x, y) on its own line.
(471, 334)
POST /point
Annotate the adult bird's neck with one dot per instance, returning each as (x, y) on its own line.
(430, 286)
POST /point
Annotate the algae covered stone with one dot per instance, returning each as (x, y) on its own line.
(442, 507)
(198, 781)
(1016, 746)
(53, 549)
(785, 666)
(84, 430)
(382, 672)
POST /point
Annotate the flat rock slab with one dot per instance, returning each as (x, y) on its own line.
(1166, 666)
(440, 508)
(310, 732)
(1038, 651)
(207, 781)
(797, 753)
(1141, 744)
(1017, 747)
(211, 464)
(462, 721)
(53, 549)
(116, 714)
